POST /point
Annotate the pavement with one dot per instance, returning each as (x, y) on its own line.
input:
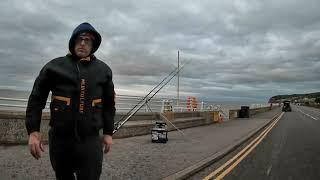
(290, 151)
(138, 158)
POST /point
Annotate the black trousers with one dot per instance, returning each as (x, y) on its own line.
(82, 157)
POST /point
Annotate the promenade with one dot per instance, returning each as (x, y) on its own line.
(138, 158)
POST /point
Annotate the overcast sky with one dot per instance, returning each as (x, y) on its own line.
(239, 50)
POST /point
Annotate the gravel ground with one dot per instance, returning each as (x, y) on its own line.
(137, 157)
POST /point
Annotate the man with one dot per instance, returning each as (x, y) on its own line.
(82, 103)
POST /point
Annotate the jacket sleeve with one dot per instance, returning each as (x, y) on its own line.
(37, 101)
(108, 106)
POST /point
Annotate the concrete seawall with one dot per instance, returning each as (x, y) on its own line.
(13, 131)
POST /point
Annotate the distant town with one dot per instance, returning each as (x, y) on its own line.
(311, 99)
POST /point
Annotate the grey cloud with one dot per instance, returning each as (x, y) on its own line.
(245, 49)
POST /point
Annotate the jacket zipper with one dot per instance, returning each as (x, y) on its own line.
(76, 133)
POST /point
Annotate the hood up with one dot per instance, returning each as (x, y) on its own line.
(85, 27)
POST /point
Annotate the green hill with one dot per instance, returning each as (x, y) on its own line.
(295, 97)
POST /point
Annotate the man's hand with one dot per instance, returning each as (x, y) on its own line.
(35, 145)
(107, 142)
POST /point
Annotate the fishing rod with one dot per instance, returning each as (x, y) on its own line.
(120, 123)
(169, 80)
(147, 95)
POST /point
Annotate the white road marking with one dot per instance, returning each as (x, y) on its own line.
(269, 170)
(307, 114)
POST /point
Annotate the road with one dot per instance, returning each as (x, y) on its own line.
(290, 151)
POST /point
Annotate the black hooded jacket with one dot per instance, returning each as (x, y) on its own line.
(82, 93)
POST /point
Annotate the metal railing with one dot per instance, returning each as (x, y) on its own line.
(125, 102)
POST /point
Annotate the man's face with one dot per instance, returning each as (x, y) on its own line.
(83, 45)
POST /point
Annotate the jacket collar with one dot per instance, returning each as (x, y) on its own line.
(87, 59)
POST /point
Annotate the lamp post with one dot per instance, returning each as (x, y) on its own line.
(178, 81)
